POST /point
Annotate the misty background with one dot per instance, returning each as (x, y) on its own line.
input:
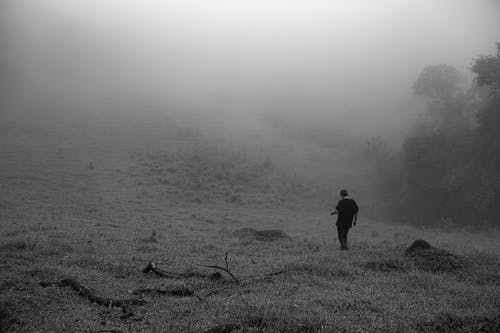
(301, 98)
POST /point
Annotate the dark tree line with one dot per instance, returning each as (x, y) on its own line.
(450, 163)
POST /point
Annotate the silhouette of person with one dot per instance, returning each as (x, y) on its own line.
(347, 215)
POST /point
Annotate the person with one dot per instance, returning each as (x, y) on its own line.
(347, 215)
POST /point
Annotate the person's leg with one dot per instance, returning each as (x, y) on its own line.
(346, 230)
(340, 236)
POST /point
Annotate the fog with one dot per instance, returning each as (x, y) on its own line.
(316, 61)
(188, 165)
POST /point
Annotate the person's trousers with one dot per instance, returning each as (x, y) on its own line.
(342, 231)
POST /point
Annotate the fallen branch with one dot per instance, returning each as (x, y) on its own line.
(152, 267)
(224, 269)
(275, 273)
(89, 294)
(244, 282)
(235, 279)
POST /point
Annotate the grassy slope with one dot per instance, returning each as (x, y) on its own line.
(103, 225)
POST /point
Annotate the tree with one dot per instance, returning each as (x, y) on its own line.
(487, 71)
(452, 165)
(437, 148)
(485, 166)
(447, 99)
(439, 82)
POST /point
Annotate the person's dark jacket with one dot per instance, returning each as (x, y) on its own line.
(346, 209)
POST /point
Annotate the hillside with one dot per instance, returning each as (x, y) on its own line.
(99, 203)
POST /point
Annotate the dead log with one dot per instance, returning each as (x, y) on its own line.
(90, 295)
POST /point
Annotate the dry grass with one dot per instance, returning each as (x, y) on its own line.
(450, 323)
(323, 289)
(104, 226)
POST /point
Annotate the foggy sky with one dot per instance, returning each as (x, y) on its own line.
(247, 56)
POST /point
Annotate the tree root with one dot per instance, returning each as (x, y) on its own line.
(90, 295)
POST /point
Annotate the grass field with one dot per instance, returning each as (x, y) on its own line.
(100, 210)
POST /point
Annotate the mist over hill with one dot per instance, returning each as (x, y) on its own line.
(177, 166)
(282, 102)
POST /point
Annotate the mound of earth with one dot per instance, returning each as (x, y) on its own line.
(416, 246)
(261, 235)
(430, 258)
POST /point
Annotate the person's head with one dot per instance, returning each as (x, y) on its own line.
(344, 193)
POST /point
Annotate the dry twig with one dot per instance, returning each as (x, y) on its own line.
(245, 282)
(224, 269)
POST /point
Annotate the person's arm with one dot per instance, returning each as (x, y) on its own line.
(356, 209)
(336, 211)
